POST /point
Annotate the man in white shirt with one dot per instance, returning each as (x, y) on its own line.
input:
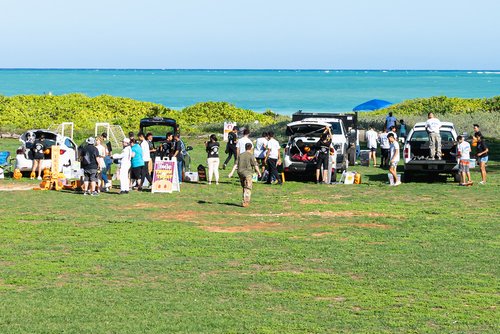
(371, 141)
(243, 141)
(432, 127)
(463, 151)
(260, 150)
(394, 158)
(273, 158)
(146, 156)
(384, 149)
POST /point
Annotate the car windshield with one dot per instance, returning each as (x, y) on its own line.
(336, 128)
(315, 129)
(158, 130)
(422, 136)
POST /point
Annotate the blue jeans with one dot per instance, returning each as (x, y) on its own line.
(179, 170)
(104, 175)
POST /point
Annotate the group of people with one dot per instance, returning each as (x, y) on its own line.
(390, 148)
(263, 158)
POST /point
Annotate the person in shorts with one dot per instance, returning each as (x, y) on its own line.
(90, 167)
(323, 147)
(137, 164)
(260, 150)
(371, 143)
(393, 158)
(463, 152)
(38, 150)
(384, 149)
(482, 151)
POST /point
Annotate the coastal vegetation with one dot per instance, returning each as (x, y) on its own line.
(18, 113)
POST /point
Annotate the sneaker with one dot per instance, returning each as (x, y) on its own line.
(95, 193)
(482, 182)
(245, 204)
(397, 183)
(123, 192)
(85, 193)
(39, 178)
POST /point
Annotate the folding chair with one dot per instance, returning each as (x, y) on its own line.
(5, 162)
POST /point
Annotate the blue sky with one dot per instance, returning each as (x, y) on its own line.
(355, 34)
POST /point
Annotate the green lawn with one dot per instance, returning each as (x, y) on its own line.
(304, 258)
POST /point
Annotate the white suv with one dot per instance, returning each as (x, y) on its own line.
(24, 155)
(301, 147)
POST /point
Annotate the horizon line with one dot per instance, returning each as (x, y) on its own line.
(244, 69)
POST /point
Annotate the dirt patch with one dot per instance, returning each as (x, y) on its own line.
(179, 216)
(242, 228)
(16, 187)
(338, 299)
(322, 234)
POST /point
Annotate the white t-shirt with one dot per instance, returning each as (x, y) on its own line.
(146, 155)
(274, 148)
(371, 138)
(242, 142)
(102, 153)
(464, 150)
(394, 148)
(394, 134)
(384, 142)
(260, 148)
(432, 125)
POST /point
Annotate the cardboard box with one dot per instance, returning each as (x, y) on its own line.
(191, 176)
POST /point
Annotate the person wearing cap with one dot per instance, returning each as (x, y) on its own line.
(125, 163)
(90, 166)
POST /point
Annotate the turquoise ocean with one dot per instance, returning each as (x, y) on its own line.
(282, 91)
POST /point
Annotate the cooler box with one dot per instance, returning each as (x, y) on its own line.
(191, 176)
(364, 157)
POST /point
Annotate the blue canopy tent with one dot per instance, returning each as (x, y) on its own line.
(372, 105)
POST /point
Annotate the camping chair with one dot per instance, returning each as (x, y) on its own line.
(5, 162)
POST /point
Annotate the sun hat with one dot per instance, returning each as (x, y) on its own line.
(91, 141)
(126, 141)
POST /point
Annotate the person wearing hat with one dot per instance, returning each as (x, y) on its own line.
(125, 163)
(90, 166)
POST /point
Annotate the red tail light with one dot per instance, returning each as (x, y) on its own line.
(61, 152)
(407, 153)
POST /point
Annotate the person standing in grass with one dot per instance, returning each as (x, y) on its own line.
(482, 156)
(246, 165)
(38, 150)
(146, 156)
(323, 147)
(390, 121)
(90, 166)
(463, 152)
(232, 141)
(273, 159)
(107, 159)
(102, 164)
(402, 130)
(260, 150)
(137, 164)
(432, 126)
(384, 149)
(125, 158)
(178, 154)
(212, 148)
(371, 142)
(394, 157)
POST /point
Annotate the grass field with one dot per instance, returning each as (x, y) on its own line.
(304, 258)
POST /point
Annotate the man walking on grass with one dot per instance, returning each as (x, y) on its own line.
(371, 142)
(273, 159)
(394, 158)
(90, 166)
(246, 166)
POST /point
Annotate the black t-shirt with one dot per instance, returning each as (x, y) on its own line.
(213, 149)
(109, 147)
(38, 147)
(166, 149)
(481, 147)
(231, 139)
(177, 147)
(89, 157)
(323, 148)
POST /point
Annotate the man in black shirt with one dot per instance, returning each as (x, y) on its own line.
(166, 147)
(38, 150)
(232, 140)
(90, 165)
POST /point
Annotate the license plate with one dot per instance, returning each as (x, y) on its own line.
(433, 167)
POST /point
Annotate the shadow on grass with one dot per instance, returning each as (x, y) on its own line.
(219, 203)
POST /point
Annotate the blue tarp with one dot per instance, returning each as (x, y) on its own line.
(372, 105)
